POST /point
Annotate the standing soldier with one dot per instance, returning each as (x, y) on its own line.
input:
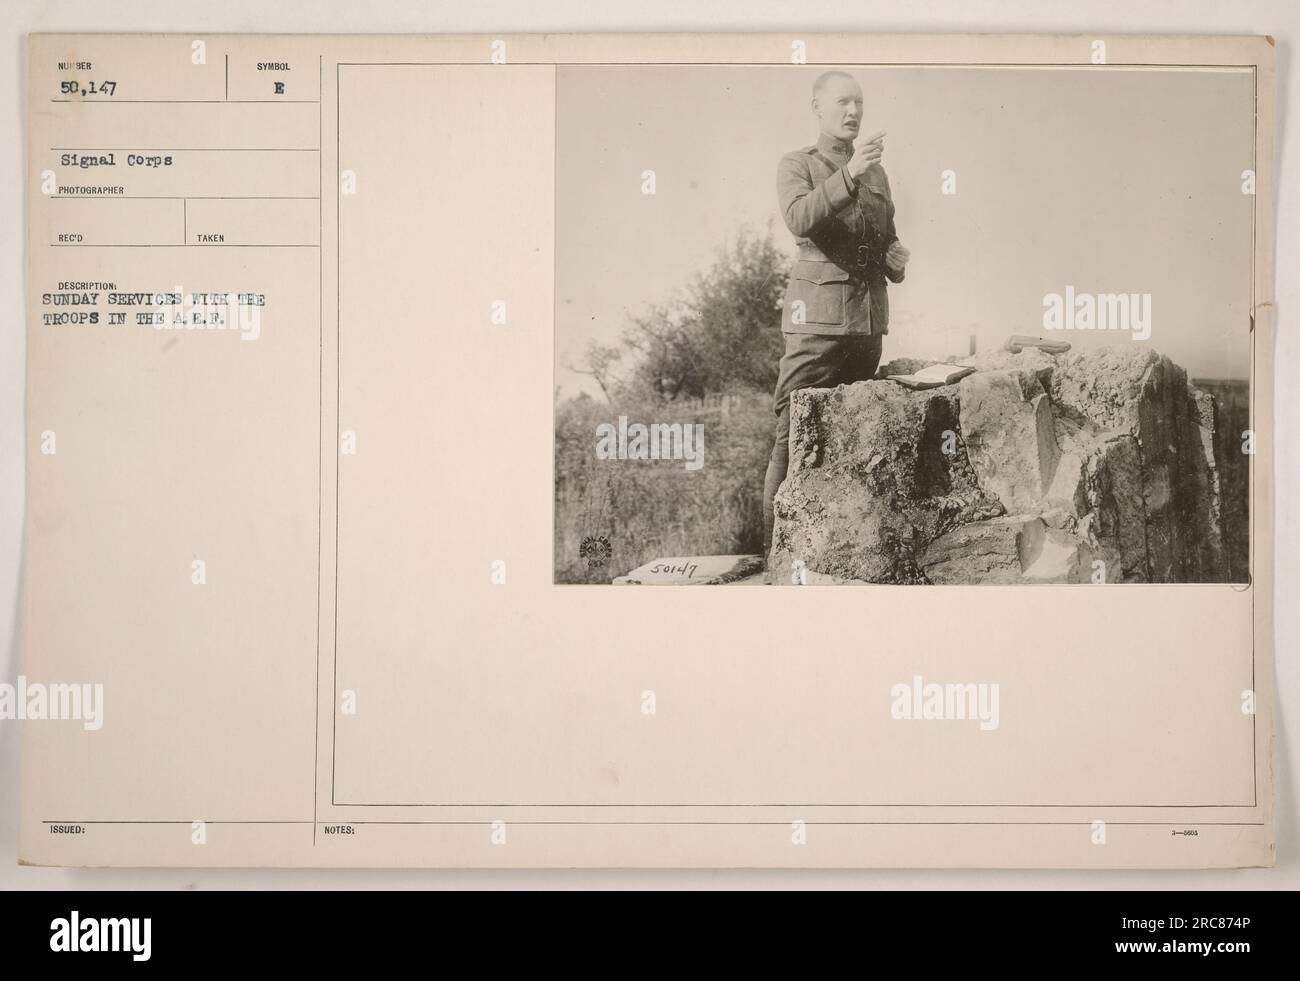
(836, 201)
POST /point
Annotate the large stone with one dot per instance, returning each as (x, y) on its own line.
(1022, 548)
(982, 551)
(1006, 422)
(1225, 417)
(1089, 466)
(1113, 506)
(876, 471)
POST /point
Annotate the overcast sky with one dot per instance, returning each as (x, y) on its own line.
(1105, 179)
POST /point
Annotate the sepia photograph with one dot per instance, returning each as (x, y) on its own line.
(903, 324)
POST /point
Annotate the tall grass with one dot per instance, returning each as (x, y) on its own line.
(648, 509)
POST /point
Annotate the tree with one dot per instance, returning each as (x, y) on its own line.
(601, 359)
(723, 333)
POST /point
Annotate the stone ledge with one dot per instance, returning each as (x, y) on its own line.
(1103, 465)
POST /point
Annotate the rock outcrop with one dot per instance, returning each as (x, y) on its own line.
(1104, 465)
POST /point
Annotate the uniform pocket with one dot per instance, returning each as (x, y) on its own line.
(818, 294)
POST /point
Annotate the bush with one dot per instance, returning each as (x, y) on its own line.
(706, 356)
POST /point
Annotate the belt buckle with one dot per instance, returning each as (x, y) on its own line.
(863, 257)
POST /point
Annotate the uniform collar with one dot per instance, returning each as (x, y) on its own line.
(832, 147)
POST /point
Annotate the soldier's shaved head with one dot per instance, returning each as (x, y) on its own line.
(825, 77)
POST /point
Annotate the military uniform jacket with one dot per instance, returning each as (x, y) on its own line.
(837, 285)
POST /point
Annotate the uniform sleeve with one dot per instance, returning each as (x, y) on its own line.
(891, 235)
(806, 206)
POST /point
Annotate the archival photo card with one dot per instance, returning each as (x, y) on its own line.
(361, 369)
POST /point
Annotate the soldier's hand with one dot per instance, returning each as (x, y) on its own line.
(866, 153)
(896, 256)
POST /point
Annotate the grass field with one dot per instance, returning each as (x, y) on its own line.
(646, 509)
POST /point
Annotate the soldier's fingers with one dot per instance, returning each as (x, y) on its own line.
(875, 137)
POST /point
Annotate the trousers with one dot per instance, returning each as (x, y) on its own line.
(811, 361)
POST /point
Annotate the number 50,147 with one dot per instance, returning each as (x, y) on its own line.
(90, 88)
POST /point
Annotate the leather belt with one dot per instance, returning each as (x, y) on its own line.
(813, 253)
(862, 257)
